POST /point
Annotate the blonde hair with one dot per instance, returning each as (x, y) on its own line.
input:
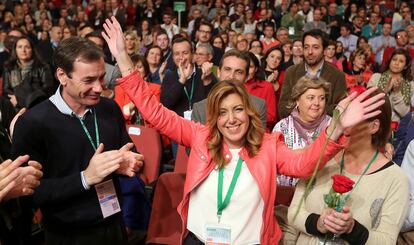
(134, 36)
(305, 83)
(255, 132)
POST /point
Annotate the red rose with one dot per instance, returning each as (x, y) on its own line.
(394, 125)
(342, 184)
(359, 89)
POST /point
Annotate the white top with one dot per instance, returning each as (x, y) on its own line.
(244, 212)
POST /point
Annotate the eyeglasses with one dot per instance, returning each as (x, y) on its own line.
(256, 46)
(206, 32)
(201, 54)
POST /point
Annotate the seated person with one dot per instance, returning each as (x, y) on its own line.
(366, 214)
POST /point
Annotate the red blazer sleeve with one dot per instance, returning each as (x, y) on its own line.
(166, 121)
(301, 163)
(122, 99)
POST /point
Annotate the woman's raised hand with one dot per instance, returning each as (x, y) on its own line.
(355, 109)
(113, 36)
(116, 42)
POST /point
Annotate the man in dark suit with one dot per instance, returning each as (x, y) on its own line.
(46, 48)
(119, 12)
(314, 42)
(233, 65)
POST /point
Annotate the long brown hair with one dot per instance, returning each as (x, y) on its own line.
(255, 132)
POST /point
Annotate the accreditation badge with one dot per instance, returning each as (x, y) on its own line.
(107, 198)
(291, 30)
(218, 234)
(187, 114)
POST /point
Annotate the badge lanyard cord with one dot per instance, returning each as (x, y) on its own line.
(221, 205)
(95, 145)
(190, 97)
(360, 177)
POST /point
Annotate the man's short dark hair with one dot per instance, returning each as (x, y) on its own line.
(223, 18)
(236, 53)
(75, 49)
(96, 34)
(347, 26)
(205, 23)
(161, 32)
(267, 24)
(86, 26)
(182, 40)
(398, 32)
(318, 34)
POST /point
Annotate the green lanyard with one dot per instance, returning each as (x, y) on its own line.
(360, 177)
(220, 203)
(190, 97)
(95, 146)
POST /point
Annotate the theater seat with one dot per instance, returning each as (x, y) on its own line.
(148, 143)
(284, 195)
(165, 223)
(181, 160)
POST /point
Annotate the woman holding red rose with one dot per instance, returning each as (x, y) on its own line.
(375, 191)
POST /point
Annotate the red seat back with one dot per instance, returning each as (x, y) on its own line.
(284, 195)
(148, 143)
(181, 160)
(165, 223)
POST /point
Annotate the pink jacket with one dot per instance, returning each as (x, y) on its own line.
(274, 157)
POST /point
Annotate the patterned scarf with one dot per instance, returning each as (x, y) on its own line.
(405, 86)
(18, 75)
(302, 127)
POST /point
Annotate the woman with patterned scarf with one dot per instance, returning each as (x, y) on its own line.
(397, 82)
(26, 79)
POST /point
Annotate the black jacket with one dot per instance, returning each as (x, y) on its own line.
(30, 90)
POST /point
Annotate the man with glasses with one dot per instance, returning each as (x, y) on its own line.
(204, 33)
(204, 55)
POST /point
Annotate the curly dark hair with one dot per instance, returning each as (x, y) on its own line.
(407, 69)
